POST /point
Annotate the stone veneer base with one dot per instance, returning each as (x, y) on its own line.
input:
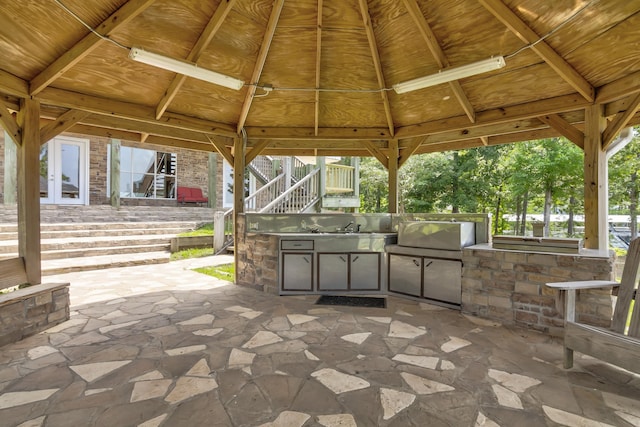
(31, 310)
(508, 286)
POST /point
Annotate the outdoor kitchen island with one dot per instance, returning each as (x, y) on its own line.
(337, 254)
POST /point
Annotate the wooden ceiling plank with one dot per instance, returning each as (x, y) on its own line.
(409, 150)
(84, 47)
(318, 63)
(258, 148)
(377, 153)
(438, 54)
(126, 110)
(221, 148)
(500, 115)
(13, 85)
(377, 64)
(63, 123)
(620, 88)
(619, 122)
(201, 45)
(9, 123)
(546, 52)
(262, 57)
(565, 128)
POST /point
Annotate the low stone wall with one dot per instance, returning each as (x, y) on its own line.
(31, 310)
(257, 260)
(508, 286)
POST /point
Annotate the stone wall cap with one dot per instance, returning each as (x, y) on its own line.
(22, 294)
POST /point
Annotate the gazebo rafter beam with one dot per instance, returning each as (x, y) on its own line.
(87, 44)
(201, 45)
(439, 55)
(375, 56)
(518, 27)
(262, 57)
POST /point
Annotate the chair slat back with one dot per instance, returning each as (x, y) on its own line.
(630, 276)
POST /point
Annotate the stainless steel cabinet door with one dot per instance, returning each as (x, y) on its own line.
(333, 272)
(405, 274)
(365, 271)
(443, 280)
(297, 272)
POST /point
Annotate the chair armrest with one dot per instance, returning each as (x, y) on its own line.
(571, 287)
(585, 284)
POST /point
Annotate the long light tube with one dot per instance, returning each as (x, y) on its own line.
(450, 74)
(186, 68)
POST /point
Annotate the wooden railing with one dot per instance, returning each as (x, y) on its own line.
(299, 197)
(265, 194)
(339, 179)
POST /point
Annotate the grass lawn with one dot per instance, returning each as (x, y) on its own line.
(204, 230)
(191, 253)
(223, 272)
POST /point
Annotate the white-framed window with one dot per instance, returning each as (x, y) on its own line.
(147, 174)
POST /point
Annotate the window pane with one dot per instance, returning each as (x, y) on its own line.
(143, 185)
(125, 158)
(126, 189)
(44, 170)
(143, 160)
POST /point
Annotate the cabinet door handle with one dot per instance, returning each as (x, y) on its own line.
(430, 262)
(415, 261)
(342, 258)
(305, 258)
(355, 258)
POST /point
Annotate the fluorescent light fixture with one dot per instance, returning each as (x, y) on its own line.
(183, 67)
(450, 74)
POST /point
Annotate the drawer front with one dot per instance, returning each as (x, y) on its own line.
(296, 245)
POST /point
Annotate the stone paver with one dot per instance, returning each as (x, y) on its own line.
(162, 345)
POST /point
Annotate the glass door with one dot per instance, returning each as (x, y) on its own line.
(63, 171)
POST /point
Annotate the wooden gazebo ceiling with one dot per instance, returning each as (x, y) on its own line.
(328, 62)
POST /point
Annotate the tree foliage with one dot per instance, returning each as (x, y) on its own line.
(533, 177)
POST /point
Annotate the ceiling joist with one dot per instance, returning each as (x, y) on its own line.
(204, 40)
(318, 58)
(84, 47)
(546, 52)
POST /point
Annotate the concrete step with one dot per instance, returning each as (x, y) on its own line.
(113, 250)
(68, 265)
(85, 227)
(11, 246)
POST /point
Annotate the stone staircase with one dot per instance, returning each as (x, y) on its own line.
(80, 238)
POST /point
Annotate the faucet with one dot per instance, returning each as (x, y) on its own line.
(349, 227)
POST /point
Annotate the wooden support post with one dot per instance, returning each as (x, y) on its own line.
(10, 166)
(355, 162)
(213, 181)
(238, 196)
(114, 179)
(596, 235)
(321, 163)
(394, 153)
(29, 190)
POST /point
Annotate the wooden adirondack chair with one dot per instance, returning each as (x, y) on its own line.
(617, 345)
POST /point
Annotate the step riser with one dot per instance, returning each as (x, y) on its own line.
(63, 270)
(47, 246)
(81, 253)
(84, 227)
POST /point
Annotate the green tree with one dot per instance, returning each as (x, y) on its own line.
(624, 183)
(374, 187)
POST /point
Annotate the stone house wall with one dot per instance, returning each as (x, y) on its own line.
(508, 286)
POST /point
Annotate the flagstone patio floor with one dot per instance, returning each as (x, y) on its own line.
(162, 345)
